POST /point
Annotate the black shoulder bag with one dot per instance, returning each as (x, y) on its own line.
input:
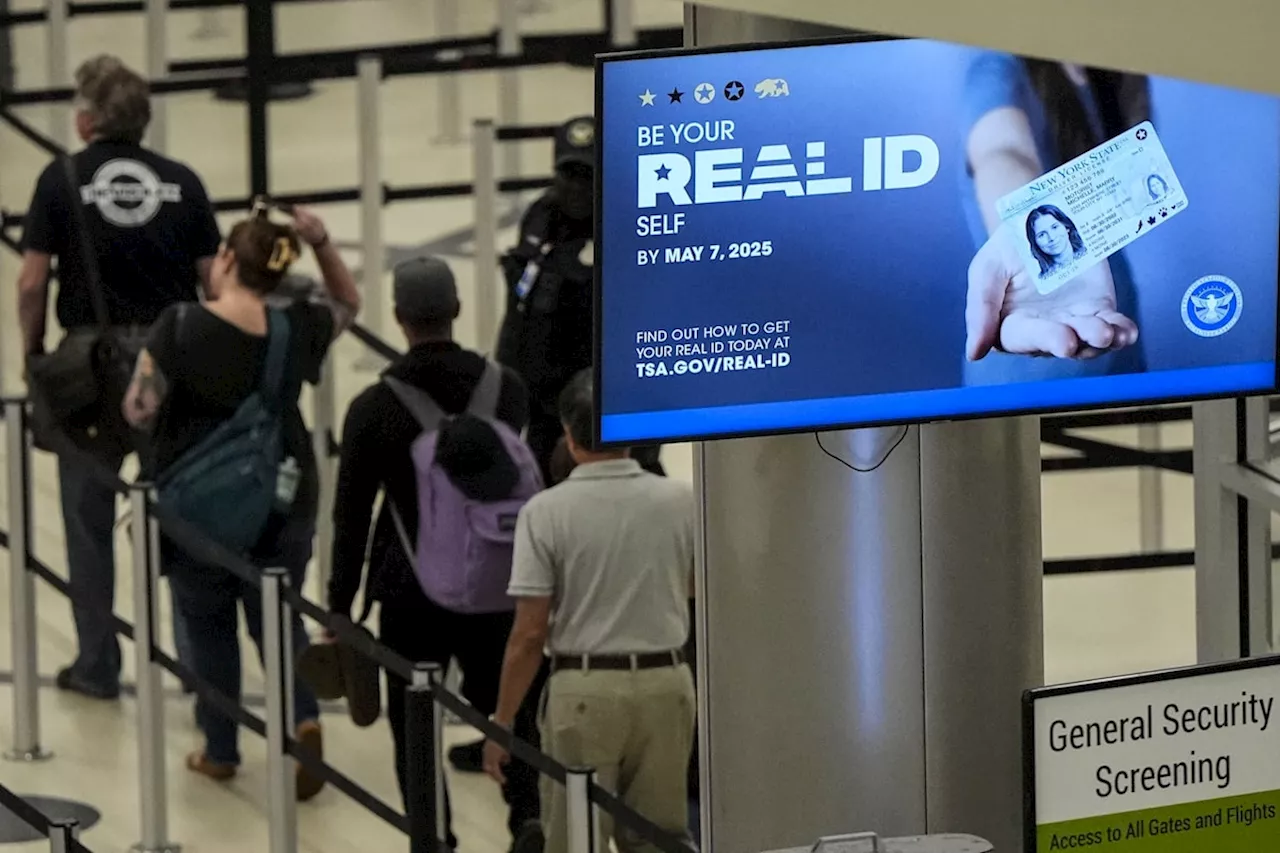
(78, 389)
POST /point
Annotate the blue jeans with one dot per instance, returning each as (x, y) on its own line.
(89, 516)
(206, 598)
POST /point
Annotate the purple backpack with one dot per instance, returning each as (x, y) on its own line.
(464, 549)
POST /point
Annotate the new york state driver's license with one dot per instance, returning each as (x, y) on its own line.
(1102, 201)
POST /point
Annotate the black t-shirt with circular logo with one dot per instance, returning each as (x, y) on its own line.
(148, 218)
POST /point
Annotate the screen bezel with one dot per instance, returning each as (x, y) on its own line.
(602, 60)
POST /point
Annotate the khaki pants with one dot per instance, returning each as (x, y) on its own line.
(636, 730)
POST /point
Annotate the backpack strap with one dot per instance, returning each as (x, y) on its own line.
(425, 410)
(277, 353)
(484, 399)
(403, 534)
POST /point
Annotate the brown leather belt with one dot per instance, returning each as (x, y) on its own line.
(615, 663)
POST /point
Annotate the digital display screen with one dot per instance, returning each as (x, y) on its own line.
(888, 231)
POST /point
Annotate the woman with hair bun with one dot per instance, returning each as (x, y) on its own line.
(200, 363)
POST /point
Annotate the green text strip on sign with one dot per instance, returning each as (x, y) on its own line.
(1248, 824)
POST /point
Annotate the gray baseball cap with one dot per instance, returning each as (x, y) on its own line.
(425, 291)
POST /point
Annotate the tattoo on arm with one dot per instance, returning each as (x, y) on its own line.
(146, 393)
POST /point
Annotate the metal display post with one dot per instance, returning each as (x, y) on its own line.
(485, 198)
(581, 815)
(59, 72)
(22, 591)
(153, 795)
(158, 69)
(281, 777)
(368, 106)
(913, 622)
(424, 727)
(448, 94)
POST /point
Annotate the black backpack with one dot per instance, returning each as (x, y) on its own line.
(226, 484)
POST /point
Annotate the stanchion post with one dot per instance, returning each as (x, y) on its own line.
(1150, 493)
(22, 590)
(510, 45)
(424, 767)
(581, 817)
(282, 828)
(62, 835)
(622, 23)
(59, 72)
(485, 198)
(158, 69)
(368, 86)
(153, 787)
(508, 28)
(260, 55)
(448, 94)
(324, 405)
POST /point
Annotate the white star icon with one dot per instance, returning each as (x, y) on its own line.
(647, 98)
(704, 94)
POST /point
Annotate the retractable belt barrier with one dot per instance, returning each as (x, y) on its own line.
(61, 833)
(280, 600)
(1091, 454)
(117, 7)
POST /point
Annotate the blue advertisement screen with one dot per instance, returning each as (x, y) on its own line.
(892, 231)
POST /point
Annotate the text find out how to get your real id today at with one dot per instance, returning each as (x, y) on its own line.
(713, 349)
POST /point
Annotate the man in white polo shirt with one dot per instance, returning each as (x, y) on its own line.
(602, 573)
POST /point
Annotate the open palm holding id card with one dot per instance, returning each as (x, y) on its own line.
(1071, 218)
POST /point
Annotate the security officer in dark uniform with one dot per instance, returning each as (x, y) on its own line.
(546, 334)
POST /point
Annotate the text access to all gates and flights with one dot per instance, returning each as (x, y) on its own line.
(1180, 762)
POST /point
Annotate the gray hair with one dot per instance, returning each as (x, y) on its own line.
(116, 98)
(577, 409)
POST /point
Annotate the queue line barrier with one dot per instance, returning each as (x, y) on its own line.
(1093, 455)
(371, 66)
(62, 834)
(426, 700)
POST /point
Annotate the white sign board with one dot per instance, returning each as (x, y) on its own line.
(1185, 760)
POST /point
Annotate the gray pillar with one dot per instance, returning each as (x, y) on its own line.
(864, 638)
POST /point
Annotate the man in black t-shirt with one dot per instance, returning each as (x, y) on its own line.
(151, 234)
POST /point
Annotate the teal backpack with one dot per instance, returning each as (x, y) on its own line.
(226, 485)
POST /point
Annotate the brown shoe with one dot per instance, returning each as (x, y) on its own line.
(311, 739)
(198, 762)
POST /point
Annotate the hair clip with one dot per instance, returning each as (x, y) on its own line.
(282, 255)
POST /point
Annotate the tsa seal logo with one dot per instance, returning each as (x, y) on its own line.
(1212, 306)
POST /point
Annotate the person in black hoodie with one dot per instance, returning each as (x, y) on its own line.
(377, 438)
